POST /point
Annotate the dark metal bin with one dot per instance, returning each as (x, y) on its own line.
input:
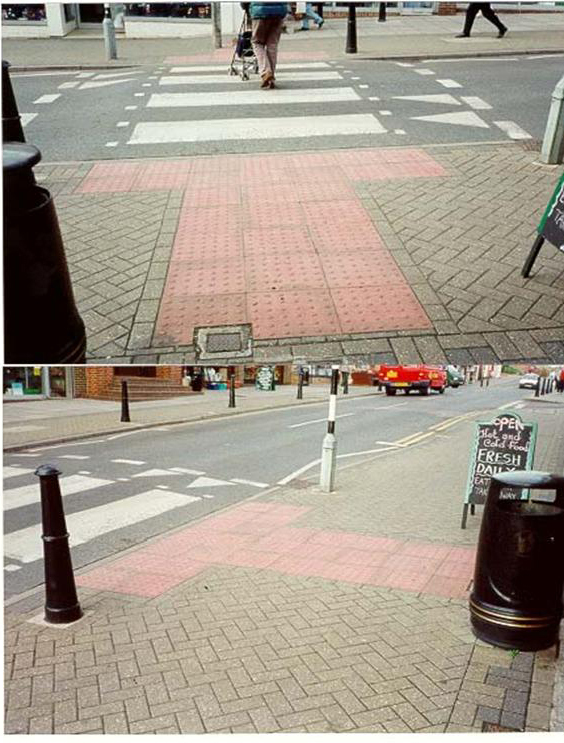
(516, 601)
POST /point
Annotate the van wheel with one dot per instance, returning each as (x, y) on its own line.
(390, 391)
(424, 391)
(441, 390)
(407, 390)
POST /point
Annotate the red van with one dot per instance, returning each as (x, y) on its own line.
(418, 377)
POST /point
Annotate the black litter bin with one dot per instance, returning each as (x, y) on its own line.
(516, 600)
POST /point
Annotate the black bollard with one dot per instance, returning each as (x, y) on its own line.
(61, 601)
(41, 321)
(273, 381)
(124, 403)
(319, 9)
(351, 47)
(12, 130)
(382, 12)
(543, 388)
(537, 388)
(345, 382)
(231, 391)
(300, 385)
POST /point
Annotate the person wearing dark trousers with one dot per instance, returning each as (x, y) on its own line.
(472, 11)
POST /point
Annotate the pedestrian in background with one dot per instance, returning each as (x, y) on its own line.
(308, 13)
(267, 22)
(472, 11)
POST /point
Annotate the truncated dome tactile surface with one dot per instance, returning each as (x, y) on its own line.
(281, 241)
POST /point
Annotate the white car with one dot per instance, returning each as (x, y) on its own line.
(529, 381)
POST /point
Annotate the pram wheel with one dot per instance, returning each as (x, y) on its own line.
(232, 71)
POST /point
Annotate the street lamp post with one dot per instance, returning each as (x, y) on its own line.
(351, 47)
(382, 13)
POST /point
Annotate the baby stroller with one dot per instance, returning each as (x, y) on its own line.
(244, 59)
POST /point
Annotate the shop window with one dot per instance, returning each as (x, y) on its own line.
(91, 12)
(168, 10)
(22, 380)
(34, 12)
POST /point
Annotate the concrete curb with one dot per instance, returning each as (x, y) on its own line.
(146, 426)
(366, 56)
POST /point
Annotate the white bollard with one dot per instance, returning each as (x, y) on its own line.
(553, 143)
(109, 33)
(329, 449)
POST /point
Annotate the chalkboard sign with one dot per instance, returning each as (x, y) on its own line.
(502, 445)
(551, 227)
(265, 378)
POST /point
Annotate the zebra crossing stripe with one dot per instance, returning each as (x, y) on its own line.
(253, 97)
(222, 67)
(27, 118)
(162, 132)
(18, 497)
(14, 472)
(226, 79)
(26, 546)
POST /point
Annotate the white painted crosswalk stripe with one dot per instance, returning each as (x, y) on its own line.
(26, 545)
(18, 497)
(14, 472)
(512, 130)
(222, 68)
(27, 119)
(464, 118)
(162, 132)
(254, 97)
(226, 79)
(48, 98)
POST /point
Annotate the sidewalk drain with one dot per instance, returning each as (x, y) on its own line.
(216, 342)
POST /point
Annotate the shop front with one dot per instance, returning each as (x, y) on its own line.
(37, 382)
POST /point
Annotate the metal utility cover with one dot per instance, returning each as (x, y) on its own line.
(217, 342)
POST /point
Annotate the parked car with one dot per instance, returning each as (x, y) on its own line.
(454, 377)
(417, 377)
(529, 381)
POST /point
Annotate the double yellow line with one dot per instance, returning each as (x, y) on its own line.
(416, 438)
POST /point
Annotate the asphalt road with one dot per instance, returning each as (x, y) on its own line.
(99, 115)
(126, 488)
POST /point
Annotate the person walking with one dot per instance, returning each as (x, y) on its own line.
(267, 22)
(310, 13)
(472, 11)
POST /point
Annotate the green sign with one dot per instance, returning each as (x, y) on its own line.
(551, 227)
(504, 444)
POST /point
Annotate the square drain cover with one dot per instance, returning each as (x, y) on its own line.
(223, 341)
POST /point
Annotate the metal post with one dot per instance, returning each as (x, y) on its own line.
(329, 450)
(537, 388)
(124, 403)
(488, 380)
(216, 24)
(273, 382)
(552, 151)
(61, 601)
(531, 258)
(319, 9)
(382, 13)
(231, 385)
(481, 375)
(300, 385)
(109, 32)
(351, 47)
(12, 130)
(345, 383)
(543, 388)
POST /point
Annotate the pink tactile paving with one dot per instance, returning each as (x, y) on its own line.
(382, 307)
(259, 242)
(278, 240)
(205, 276)
(179, 316)
(280, 271)
(258, 535)
(292, 313)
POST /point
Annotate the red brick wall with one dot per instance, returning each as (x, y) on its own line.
(447, 9)
(173, 373)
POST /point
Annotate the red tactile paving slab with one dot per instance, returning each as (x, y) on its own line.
(188, 278)
(218, 195)
(343, 240)
(387, 307)
(362, 269)
(264, 242)
(163, 176)
(257, 535)
(280, 271)
(263, 216)
(292, 313)
(180, 315)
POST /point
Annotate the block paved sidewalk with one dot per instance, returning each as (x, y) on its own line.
(401, 37)
(182, 243)
(35, 423)
(295, 611)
